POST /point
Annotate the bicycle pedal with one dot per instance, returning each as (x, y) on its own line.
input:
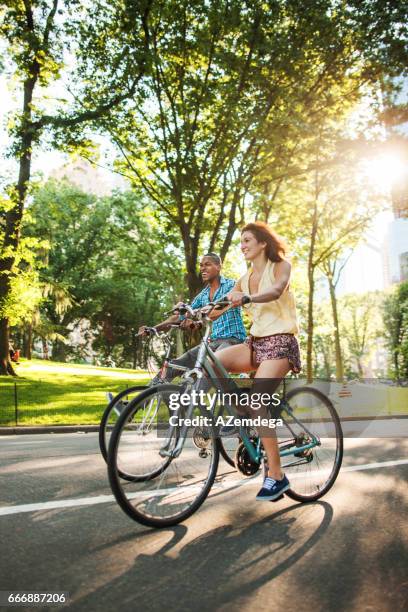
(278, 498)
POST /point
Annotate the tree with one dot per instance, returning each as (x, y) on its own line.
(109, 255)
(332, 268)
(323, 214)
(361, 326)
(38, 324)
(234, 87)
(395, 317)
(104, 42)
(323, 353)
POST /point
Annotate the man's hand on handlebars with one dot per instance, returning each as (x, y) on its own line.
(145, 330)
(188, 324)
(142, 331)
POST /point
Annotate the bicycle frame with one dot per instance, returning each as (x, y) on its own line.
(207, 364)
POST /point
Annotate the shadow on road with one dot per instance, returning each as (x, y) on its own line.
(219, 566)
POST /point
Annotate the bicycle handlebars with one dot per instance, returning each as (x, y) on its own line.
(198, 313)
(149, 331)
(185, 309)
(152, 331)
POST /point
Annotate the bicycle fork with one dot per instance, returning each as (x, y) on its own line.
(176, 431)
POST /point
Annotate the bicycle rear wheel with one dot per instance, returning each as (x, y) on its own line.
(112, 413)
(165, 490)
(311, 472)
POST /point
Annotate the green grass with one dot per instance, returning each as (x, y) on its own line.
(72, 394)
(61, 396)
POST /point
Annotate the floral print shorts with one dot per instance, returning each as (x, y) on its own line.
(277, 346)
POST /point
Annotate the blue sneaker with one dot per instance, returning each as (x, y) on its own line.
(272, 489)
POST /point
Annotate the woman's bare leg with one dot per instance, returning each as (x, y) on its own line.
(272, 369)
(238, 359)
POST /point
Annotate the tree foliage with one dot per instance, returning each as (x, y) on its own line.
(109, 256)
(234, 91)
(89, 47)
(395, 315)
(215, 107)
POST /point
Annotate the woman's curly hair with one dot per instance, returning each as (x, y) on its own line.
(275, 247)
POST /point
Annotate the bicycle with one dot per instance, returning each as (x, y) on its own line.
(168, 479)
(118, 402)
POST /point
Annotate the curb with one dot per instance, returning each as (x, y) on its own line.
(12, 431)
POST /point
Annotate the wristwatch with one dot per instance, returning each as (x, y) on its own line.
(246, 300)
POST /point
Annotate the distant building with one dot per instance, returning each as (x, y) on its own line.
(396, 252)
(91, 179)
(396, 243)
(404, 266)
(364, 270)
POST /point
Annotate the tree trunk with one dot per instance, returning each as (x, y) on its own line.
(24, 342)
(310, 275)
(5, 363)
(29, 342)
(359, 367)
(310, 326)
(396, 366)
(337, 345)
(14, 216)
(193, 279)
(194, 283)
(326, 357)
(45, 349)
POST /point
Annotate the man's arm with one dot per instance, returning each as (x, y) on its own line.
(165, 325)
(215, 314)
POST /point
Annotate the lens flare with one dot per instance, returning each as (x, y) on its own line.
(386, 170)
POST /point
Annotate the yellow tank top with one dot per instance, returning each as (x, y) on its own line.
(276, 317)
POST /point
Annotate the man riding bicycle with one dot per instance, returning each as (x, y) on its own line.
(228, 328)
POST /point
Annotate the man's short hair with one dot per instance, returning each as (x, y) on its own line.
(216, 258)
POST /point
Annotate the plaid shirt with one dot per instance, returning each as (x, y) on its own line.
(229, 324)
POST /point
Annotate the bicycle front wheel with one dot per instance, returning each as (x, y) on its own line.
(313, 471)
(164, 490)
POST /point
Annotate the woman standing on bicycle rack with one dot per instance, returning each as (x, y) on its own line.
(272, 348)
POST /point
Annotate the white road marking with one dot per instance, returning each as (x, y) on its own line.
(14, 443)
(103, 499)
(373, 466)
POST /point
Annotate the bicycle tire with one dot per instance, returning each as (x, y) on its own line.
(126, 498)
(321, 490)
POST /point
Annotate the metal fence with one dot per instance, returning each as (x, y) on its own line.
(20, 405)
(37, 403)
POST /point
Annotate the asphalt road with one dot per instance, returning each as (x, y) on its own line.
(346, 552)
